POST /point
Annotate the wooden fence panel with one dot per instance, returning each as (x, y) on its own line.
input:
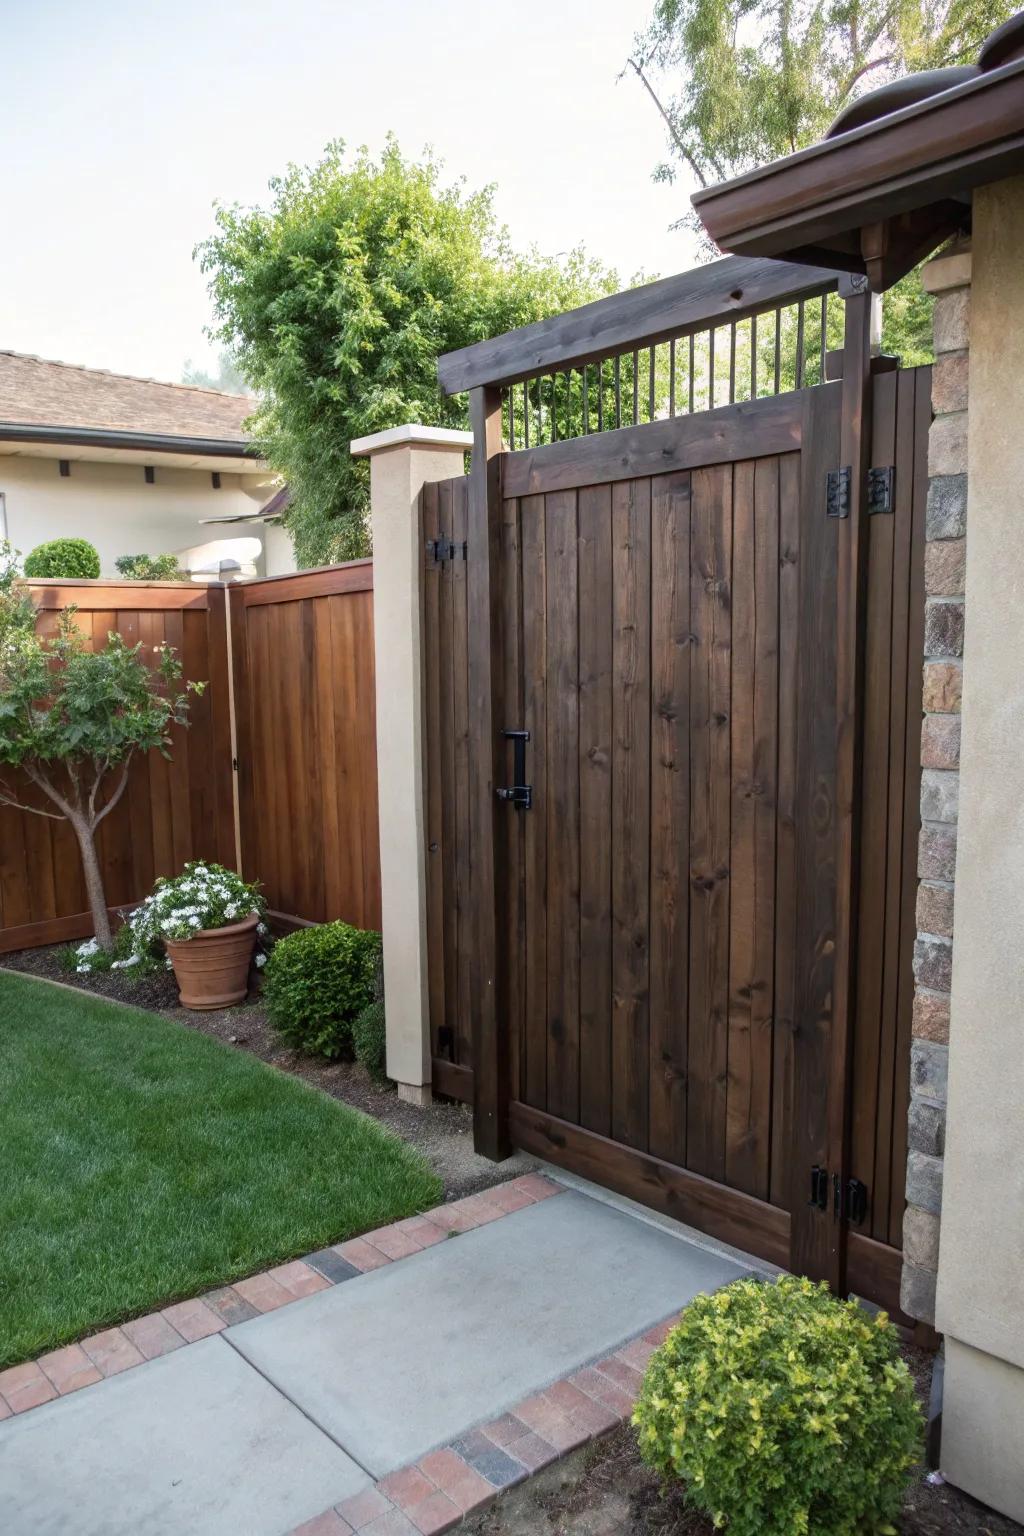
(171, 811)
(305, 717)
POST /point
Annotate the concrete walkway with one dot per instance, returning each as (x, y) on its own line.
(277, 1419)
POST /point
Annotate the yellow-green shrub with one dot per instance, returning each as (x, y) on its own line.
(785, 1411)
(317, 981)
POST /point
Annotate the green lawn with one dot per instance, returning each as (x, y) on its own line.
(143, 1163)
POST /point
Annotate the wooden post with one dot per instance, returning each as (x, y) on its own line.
(486, 766)
(851, 596)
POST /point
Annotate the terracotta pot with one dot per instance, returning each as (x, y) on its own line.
(212, 967)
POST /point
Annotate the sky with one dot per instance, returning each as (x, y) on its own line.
(123, 122)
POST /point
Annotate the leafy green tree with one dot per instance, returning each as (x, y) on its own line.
(338, 299)
(72, 720)
(742, 82)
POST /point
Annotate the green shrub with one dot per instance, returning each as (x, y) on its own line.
(317, 981)
(74, 559)
(148, 567)
(783, 1410)
(369, 1040)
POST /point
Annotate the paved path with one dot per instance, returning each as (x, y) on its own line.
(271, 1422)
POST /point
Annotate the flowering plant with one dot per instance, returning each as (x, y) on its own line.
(204, 895)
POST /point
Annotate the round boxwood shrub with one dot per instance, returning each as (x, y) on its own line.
(317, 981)
(74, 559)
(370, 1040)
(783, 1410)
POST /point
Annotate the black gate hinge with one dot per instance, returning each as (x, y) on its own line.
(440, 550)
(849, 1201)
(837, 492)
(880, 487)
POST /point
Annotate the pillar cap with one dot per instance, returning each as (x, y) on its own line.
(412, 435)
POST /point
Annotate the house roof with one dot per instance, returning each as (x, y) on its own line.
(38, 393)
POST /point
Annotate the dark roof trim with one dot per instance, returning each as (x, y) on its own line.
(144, 442)
(818, 200)
(717, 294)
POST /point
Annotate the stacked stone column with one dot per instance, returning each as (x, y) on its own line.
(948, 277)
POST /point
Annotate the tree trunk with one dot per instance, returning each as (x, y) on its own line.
(93, 880)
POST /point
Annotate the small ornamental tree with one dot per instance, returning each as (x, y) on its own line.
(72, 720)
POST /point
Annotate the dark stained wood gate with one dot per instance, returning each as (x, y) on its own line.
(664, 606)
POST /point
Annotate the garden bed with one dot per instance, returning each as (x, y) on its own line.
(443, 1132)
(144, 1163)
(606, 1490)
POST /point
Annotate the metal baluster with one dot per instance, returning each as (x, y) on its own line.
(636, 389)
(824, 335)
(586, 402)
(778, 350)
(800, 345)
(711, 369)
(600, 394)
(732, 363)
(650, 403)
(672, 377)
(693, 369)
(753, 357)
(618, 391)
(526, 413)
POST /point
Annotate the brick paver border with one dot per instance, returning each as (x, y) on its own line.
(104, 1354)
(444, 1488)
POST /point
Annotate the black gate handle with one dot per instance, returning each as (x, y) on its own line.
(520, 794)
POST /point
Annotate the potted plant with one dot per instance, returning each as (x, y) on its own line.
(208, 922)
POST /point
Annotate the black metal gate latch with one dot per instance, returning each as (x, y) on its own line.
(519, 794)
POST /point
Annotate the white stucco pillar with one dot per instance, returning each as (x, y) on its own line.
(402, 461)
(980, 1299)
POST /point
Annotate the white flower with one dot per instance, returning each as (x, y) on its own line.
(261, 961)
(194, 922)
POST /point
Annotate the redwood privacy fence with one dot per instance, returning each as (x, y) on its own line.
(276, 774)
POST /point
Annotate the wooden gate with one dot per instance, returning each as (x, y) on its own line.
(662, 606)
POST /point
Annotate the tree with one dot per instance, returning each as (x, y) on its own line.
(72, 720)
(228, 378)
(742, 82)
(338, 300)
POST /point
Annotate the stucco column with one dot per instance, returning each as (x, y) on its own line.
(980, 1294)
(402, 460)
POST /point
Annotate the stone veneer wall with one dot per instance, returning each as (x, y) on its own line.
(948, 277)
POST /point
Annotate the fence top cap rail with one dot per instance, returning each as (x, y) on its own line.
(414, 433)
(117, 581)
(717, 294)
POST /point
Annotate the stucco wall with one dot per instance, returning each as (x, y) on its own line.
(113, 507)
(980, 1295)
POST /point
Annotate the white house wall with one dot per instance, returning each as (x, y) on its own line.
(113, 507)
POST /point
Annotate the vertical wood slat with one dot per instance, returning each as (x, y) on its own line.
(784, 1191)
(670, 813)
(453, 821)
(754, 752)
(514, 936)
(534, 1067)
(812, 1234)
(870, 1025)
(710, 708)
(851, 582)
(631, 737)
(595, 816)
(562, 810)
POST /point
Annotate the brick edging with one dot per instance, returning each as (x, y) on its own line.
(113, 1350)
(460, 1479)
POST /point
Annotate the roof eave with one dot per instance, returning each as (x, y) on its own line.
(141, 442)
(819, 203)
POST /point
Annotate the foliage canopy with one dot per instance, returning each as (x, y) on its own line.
(337, 300)
(741, 82)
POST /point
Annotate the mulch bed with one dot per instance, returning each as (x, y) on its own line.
(605, 1490)
(443, 1132)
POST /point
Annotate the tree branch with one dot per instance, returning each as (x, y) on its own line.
(862, 70)
(6, 798)
(119, 790)
(666, 119)
(44, 784)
